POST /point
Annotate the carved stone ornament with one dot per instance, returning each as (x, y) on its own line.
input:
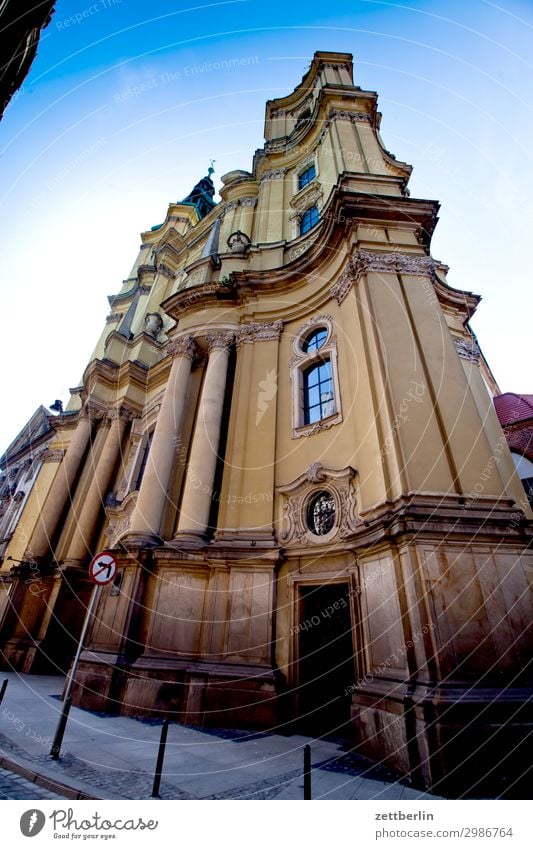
(182, 346)
(165, 271)
(354, 117)
(467, 349)
(311, 195)
(396, 263)
(238, 242)
(275, 174)
(298, 495)
(53, 455)
(123, 413)
(113, 316)
(220, 340)
(117, 527)
(92, 411)
(315, 473)
(259, 331)
(153, 324)
(300, 249)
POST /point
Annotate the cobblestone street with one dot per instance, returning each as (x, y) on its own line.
(13, 786)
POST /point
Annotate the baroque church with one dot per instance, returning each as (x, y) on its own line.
(286, 437)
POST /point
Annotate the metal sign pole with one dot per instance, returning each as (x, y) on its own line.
(67, 699)
(90, 610)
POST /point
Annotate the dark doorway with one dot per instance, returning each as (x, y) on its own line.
(61, 641)
(326, 659)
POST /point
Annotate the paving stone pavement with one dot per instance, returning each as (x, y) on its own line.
(114, 757)
(13, 786)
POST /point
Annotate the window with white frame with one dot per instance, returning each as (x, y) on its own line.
(314, 378)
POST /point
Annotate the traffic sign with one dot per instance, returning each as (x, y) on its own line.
(103, 568)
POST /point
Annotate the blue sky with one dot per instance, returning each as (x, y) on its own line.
(122, 112)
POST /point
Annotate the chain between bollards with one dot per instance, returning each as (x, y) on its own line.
(62, 724)
(3, 690)
(160, 759)
(307, 772)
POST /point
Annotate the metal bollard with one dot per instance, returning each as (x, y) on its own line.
(3, 690)
(307, 772)
(160, 759)
(62, 724)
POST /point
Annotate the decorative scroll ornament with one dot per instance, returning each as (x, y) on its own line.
(395, 263)
(259, 331)
(467, 349)
(182, 346)
(116, 529)
(315, 473)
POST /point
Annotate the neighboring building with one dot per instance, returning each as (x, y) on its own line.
(285, 435)
(515, 413)
(21, 23)
(19, 469)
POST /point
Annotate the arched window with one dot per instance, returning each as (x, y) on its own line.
(144, 460)
(309, 219)
(306, 177)
(316, 401)
(315, 340)
(318, 392)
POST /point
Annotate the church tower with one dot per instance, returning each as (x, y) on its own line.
(286, 437)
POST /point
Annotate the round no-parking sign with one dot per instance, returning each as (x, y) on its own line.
(103, 568)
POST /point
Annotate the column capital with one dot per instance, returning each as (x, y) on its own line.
(122, 412)
(92, 412)
(220, 339)
(259, 331)
(182, 346)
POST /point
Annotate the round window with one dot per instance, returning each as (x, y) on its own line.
(321, 513)
(315, 340)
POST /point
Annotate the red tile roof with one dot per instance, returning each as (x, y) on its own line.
(512, 408)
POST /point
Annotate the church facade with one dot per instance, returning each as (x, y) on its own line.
(286, 437)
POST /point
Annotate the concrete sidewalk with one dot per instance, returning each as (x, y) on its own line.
(110, 757)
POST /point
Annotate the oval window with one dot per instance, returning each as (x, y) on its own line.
(321, 513)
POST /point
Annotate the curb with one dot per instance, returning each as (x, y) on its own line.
(75, 790)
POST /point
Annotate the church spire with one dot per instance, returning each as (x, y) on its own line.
(203, 193)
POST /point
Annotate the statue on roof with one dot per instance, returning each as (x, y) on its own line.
(203, 193)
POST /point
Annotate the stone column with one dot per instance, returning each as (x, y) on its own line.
(42, 539)
(153, 494)
(89, 511)
(198, 488)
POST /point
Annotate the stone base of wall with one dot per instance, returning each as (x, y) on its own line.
(217, 695)
(461, 740)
